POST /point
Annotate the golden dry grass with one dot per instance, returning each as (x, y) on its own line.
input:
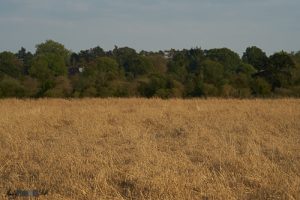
(151, 149)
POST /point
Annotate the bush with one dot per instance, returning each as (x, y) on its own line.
(228, 91)
(283, 92)
(62, 88)
(89, 92)
(163, 93)
(261, 87)
(31, 86)
(210, 90)
(10, 87)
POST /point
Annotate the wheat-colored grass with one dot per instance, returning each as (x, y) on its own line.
(151, 149)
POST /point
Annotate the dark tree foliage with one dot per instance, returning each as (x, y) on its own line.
(87, 55)
(255, 57)
(10, 65)
(26, 58)
(226, 57)
(280, 70)
(54, 71)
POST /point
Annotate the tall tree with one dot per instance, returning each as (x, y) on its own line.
(213, 72)
(10, 87)
(50, 60)
(26, 58)
(280, 68)
(90, 54)
(255, 57)
(229, 59)
(133, 64)
(52, 47)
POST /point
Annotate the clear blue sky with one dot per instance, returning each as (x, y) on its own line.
(272, 25)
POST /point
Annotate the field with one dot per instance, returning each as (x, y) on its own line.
(151, 149)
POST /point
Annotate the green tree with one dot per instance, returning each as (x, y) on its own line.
(52, 47)
(242, 84)
(10, 65)
(241, 80)
(155, 83)
(26, 59)
(213, 72)
(45, 66)
(246, 69)
(89, 55)
(296, 71)
(133, 64)
(159, 63)
(228, 91)
(229, 59)
(139, 65)
(178, 66)
(160, 86)
(194, 57)
(31, 86)
(40, 69)
(103, 69)
(10, 87)
(210, 90)
(50, 60)
(255, 57)
(280, 70)
(97, 77)
(261, 87)
(62, 88)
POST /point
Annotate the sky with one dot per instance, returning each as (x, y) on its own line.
(152, 25)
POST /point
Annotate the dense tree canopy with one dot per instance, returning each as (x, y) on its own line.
(255, 57)
(10, 65)
(226, 57)
(54, 71)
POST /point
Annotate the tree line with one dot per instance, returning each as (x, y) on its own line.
(54, 71)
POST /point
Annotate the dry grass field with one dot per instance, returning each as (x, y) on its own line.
(151, 149)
